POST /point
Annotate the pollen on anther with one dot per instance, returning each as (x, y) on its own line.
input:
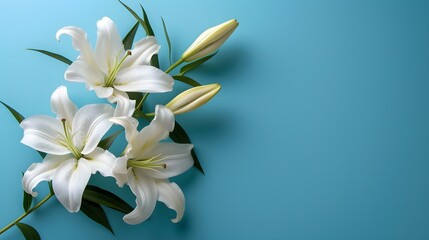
(129, 53)
(164, 165)
(63, 119)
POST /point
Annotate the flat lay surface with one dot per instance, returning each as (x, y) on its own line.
(320, 130)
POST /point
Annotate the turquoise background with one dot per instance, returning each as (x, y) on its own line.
(321, 129)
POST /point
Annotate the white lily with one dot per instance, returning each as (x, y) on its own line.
(70, 141)
(109, 69)
(148, 164)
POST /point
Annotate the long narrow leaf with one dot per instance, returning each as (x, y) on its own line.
(106, 198)
(146, 20)
(96, 213)
(168, 41)
(129, 38)
(28, 231)
(187, 80)
(53, 55)
(15, 113)
(27, 201)
(179, 135)
(138, 18)
(19, 118)
(195, 64)
(107, 142)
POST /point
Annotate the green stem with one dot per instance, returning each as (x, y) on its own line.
(26, 213)
(180, 61)
(139, 106)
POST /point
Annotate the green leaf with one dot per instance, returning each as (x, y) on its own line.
(96, 213)
(19, 118)
(168, 41)
(107, 142)
(27, 201)
(154, 61)
(53, 55)
(187, 80)
(195, 64)
(106, 198)
(28, 231)
(146, 20)
(138, 18)
(129, 38)
(179, 135)
(15, 113)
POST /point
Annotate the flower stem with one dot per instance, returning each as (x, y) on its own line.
(180, 61)
(26, 213)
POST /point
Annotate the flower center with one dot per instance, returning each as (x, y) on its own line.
(68, 141)
(111, 76)
(153, 163)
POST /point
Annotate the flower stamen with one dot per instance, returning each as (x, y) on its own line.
(153, 163)
(111, 77)
(68, 141)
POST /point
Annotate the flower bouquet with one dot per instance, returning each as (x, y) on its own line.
(73, 142)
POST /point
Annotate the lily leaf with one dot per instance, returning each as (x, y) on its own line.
(168, 41)
(15, 113)
(129, 38)
(96, 213)
(53, 55)
(107, 142)
(28, 231)
(138, 18)
(146, 20)
(27, 201)
(19, 118)
(195, 64)
(179, 135)
(187, 80)
(106, 198)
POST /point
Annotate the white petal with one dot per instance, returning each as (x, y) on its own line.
(116, 94)
(82, 70)
(79, 41)
(43, 171)
(158, 129)
(120, 170)
(90, 124)
(43, 134)
(146, 195)
(62, 105)
(70, 181)
(103, 92)
(176, 157)
(101, 161)
(124, 107)
(172, 196)
(109, 47)
(130, 125)
(143, 78)
(123, 116)
(142, 52)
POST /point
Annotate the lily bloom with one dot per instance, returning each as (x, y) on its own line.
(109, 70)
(70, 141)
(147, 165)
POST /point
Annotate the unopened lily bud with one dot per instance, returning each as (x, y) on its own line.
(210, 40)
(193, 98)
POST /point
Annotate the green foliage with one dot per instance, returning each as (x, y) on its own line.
(129, 38)
(195, 64)
(28, 231)
(96, 213)
(187, 80)
(100, 196)
(53, 55)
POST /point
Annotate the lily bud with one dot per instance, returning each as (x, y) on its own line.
(209, 41)
(193, 98)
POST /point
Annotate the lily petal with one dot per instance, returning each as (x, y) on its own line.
(43, 171)
(43, 133)
(101, 161)
(109, 46)
(83, 70)
(157, 130)
(62, 105)
(103, 92)
(172, 196)
(120, 170)
(123, 116)
(142, 52)
(90, 124)
(176, 157)
(146, 195)
(79, 41)
(69, 182)
(143, 78)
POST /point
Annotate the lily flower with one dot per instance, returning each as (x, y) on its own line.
(109, 70)
(147, 165)
(70, 141)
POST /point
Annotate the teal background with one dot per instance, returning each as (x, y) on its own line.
(321, 129)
